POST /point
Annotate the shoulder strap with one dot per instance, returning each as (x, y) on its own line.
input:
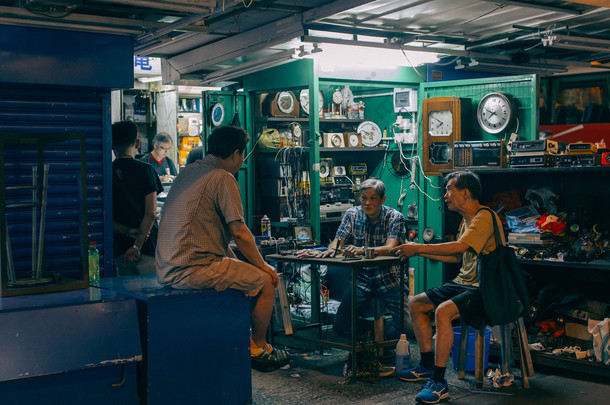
(496, 228)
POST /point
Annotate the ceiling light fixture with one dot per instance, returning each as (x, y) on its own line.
(302, 52)
(473, 62)
(459, 65)
(316, 48)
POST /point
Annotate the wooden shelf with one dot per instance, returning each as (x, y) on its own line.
(593, 265)
(352, 149)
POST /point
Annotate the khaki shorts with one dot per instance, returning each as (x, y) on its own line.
(227, 273)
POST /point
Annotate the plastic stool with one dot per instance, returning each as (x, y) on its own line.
(527, 369)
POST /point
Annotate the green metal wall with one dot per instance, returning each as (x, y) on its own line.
(524, 91)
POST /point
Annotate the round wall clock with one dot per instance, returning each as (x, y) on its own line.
(337, 97)
(370, 133)
(495, 112)
(302, 232)
(217, 114)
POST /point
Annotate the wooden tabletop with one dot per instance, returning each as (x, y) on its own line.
(358, 262)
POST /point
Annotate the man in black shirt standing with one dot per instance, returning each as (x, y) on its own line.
(135, 186)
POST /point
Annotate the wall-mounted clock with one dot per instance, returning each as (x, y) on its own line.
(217, 114)
(496, 112)
(442, 125)
(304, 100)
(370, 133)
(282, 104)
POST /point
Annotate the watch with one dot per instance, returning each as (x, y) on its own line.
(495, 112)
(442, 125)
(370, 133)
(217, 114)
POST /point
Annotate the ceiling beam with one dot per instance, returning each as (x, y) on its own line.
(271, 34)
(193, 6)
(526, 4)
(18, 16)
(598, 3)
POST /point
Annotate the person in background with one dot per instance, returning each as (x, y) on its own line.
(158, 159)
(201, 213)
(135, 186)
(371, 224)
(459, 298)
(195, 154)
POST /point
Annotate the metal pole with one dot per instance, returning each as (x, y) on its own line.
(43, 214)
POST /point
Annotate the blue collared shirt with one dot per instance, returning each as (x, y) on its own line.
(357, 230)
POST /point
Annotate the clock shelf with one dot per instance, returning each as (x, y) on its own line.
(281, 119)
(349, 149)
(352, 120)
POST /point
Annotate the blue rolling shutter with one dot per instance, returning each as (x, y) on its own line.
(60, 110)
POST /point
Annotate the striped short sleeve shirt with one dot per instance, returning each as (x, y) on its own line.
(194, 231)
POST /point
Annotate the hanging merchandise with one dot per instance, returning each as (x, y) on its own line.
(236, 122)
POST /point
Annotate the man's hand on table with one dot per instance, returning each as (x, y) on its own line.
(353, 251)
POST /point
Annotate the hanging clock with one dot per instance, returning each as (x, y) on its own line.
(217, 115)
(428, 234)
(304, 100)
(443, 123)
(496, 112)
(370, 133)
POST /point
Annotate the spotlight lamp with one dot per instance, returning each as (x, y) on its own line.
(302, 52)
(316, 48)
(459, 65)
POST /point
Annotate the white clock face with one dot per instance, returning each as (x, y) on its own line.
(297, 131)
(353, 140)
(440, 123)
(303, 233)
(285, 102)
(336, 140)
(494, 113)
(337, 97)
(304, 100)
(369, 133)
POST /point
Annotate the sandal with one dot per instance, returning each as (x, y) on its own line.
(281, 355)
(265, 361)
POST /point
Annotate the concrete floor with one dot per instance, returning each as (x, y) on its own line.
(314, 378)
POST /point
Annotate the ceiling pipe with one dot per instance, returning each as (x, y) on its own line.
(171, 27)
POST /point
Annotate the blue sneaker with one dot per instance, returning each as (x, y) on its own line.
(433, 392)
(417, 373)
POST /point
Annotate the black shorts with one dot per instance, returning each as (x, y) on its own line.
(466, 297)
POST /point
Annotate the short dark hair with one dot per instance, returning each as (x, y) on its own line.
(124, 133)
(467, 180)
(162, 137)
(223, 141)
(373, 184)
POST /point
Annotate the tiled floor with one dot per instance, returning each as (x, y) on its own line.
(317, 379)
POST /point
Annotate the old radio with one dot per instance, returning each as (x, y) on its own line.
(582, 148)
(534, 146)
(479, 154)
(533, 160)
(578, 160)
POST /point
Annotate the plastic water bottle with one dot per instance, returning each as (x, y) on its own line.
(94, 263)
(402, 353)
(265, 226)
